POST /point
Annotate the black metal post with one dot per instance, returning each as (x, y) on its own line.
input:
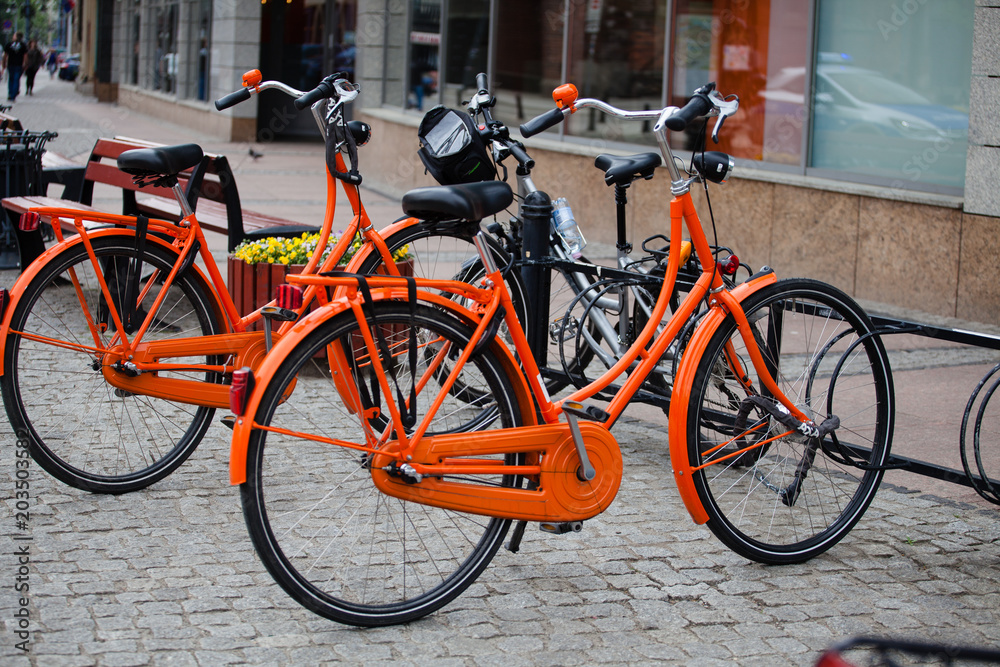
(536, 216)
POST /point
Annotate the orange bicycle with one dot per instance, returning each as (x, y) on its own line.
(371, 503)
(116, 347)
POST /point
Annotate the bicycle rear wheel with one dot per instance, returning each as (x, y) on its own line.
(814, 340)
(79, 428)
(326, 534)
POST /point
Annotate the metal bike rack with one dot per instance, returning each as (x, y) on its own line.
(986, 487)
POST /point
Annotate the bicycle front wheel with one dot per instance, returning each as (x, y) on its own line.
(326, 534)
(79, 428)
(815, 341)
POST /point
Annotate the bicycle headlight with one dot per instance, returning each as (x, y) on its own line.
(714, 166)
(362, 132)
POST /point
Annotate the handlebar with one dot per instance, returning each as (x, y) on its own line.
(330, 119)
(232, 99)
(699, 105)
(494, 130)
(550, 118)
(335, 87)
(705, 102)
(519, 154)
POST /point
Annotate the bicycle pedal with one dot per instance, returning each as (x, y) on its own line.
(561, 528)
(229, 421)
(589, 412)
(279, 314)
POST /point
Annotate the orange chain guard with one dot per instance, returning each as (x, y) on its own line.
(561, 495)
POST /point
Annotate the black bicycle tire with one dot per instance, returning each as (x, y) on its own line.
(10, 383)
(798, 550)
(253, 492)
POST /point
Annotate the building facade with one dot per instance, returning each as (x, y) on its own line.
(866, 143)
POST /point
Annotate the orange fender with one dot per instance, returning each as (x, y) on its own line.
(678, 417)
(274, 359)
(17, 291)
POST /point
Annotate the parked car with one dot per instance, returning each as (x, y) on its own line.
(69, 67)
(864, 121)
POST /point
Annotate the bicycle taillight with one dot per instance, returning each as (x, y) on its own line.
(29, 221)
(4, 300)
(289, 297)
(832, 659)
(239, 390)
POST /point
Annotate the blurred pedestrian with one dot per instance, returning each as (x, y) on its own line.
(52, 63)
(13, 61)
(32, 63)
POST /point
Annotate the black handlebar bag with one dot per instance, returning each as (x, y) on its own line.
(452, 149)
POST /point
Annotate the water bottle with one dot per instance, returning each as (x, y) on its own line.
(567, 229)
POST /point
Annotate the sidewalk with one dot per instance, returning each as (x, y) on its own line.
(168, 576)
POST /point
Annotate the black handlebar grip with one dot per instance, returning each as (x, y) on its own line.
(550, 118)
(232, 99)
(699, 105)
(482, 82)
(324, 89)
(521, 156)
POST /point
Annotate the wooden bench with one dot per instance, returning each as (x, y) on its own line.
(8, 122)
(61, 170)
(210, 189)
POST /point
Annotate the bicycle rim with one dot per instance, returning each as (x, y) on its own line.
(79, 428)
(334, 542)
(813, 338)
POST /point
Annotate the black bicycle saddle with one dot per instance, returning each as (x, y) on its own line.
(164, 161)
(622, 170)
(468, 201)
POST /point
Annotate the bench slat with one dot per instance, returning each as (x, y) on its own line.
(217, 204)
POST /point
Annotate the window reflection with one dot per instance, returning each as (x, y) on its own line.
(425, 44)
(752, 50)
(616, 54)
(164, 63)
(528, 62)
(870, 98)
(886, 105)
(468, 45)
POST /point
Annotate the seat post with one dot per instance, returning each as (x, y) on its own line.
(624, 249)
(621, 199)
(182, 199)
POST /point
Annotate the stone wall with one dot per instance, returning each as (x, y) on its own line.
(982, 170)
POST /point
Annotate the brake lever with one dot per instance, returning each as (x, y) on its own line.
(725, 107)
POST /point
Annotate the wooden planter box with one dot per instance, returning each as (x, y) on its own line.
(254, 285)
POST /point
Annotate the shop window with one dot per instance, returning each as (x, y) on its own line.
(891, 90)
(164, 61)
(528, 61)
(757, 51)
(200, 46)
(135, 21)
(615, 53)
(425, 47)
(301, 42)
(467, 40)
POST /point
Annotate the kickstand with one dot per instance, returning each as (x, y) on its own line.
(515, 537)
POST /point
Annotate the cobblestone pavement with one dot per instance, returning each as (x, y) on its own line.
(167, 575)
